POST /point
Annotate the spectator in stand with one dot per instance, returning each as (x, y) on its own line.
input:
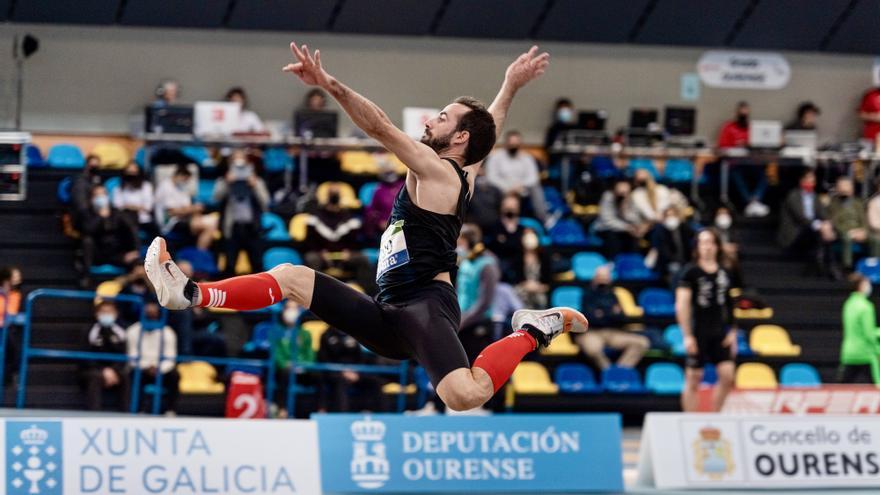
(618, 224)
(505, 240)
(108, 236)
(735, 134)
(135, 199)
(807, 114)
(605, 315)
(156, 339)
(81, 190)
(281, 349)
(805, 228)
(651, 200)
(869, 112)
(176, 212)
(723, 223)
(10, 305)
(873, 210)
(167, 93)
(323, 165)
(533, 282)
(860, 348)
(248, 121)
(564, 118)
(378, 212)
(477, 282)
(243, 197)
(337, 347)
(671, 243)
(315, 100)
(848, 215)
(485, 203)
(106, 336)
(331, 241)
(514, 171)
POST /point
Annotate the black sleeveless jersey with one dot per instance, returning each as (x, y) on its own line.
(418, 244)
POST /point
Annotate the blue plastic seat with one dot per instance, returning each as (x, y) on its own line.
(576, 378)
(205, 192)
(657, 302)
(277, 159)
(66, 156)
(202, 261)
(34, 157)
(664, 378)
(535, 224)
(365, 193)
(112, 184)
(631, 266)
(555, 202)
(569, 232)
(710, 375)
(567, 296)
(643, 163)
(107, 270)
(278, 255)
(198, 154)
(372, 255)
(743, 349)
(140, 156)
(870, 268)
(604, 167)
(673, 337)
(63, 191)
(261, 337)
(585, 264)
(620, 380)
(274, 227)
(799, 375)
(678, 170)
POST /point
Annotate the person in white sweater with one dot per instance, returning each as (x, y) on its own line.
(135, 198)
(515, 171)
(155, 340)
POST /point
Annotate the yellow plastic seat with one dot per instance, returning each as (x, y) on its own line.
(242, 265)
(112, 155)
(299, 226)
(561, 346)
(110, 288)
(772, 340)
(532, 378)
(399, 166)
(347, 196)
(753, 314)
(628, 303)
(394, 388)
(358, 162)
(316, 328)
(199, 377)
(755, 375)
(564, 276)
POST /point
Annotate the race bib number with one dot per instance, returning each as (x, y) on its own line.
(392, 249)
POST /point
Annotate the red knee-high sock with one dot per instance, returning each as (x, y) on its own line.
(500, 358)
(243, 293)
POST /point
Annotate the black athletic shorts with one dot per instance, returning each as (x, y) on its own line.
(710, 349)
(423, 325)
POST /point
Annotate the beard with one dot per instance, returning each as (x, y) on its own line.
(437, 143)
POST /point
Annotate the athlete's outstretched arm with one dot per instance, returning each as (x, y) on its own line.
(364, 113)
(524, 69)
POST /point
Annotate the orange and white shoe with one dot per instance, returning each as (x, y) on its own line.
(546, 324)
(170, 283)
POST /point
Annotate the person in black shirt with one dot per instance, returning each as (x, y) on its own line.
(505, 240)
(704, 310)
(105, 336)
(337, 347)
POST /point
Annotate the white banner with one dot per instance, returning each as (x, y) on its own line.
(743, 70)
(724, 451)
(141, 455)
(829, 399)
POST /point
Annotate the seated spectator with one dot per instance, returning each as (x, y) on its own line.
(873, 210)
(651, 200)
(107, 336)
(564, 118)
(176, 212)
(281, 349)
(323, 165)
(735, 134)
(618, 224)
(859, 350)
(243, 197)
(537, 272)
(248, 121)
(476, 283)
(81, 190)
(108, 236)
(167, 93)
(485, 203)
(723, 223)
(331, 241)
(377, 213)
(10, 305)
(153, 333)
(505, 240)
(804, 226)
(671, 243)
(135, 199)
(807, 113)
(869, 113)
(338, 347)
(849, 218)
(514, 171)
(602, 309)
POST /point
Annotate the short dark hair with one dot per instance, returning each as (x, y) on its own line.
(182, 170)
(854, 280)
(480, 124)
(237, 90)
(5, 274)
(563, 102)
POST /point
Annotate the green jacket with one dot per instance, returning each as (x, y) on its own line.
(281, 347)
(848, 215)
(860, 345)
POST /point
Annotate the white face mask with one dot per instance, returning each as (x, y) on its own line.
(289, 316)
(565, 115)
(530, 241)
(106, 319)
(671, 223)
(723, 222)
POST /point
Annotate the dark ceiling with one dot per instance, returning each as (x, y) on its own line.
(849, 26)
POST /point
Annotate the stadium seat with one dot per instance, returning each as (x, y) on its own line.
(743, 349)
(107, 270)
(657, 302)
(112, 155)
(65, 156)
(530, 377)
(273, 227)
(365, 193)
(111, 184)
(672, 336)
(585, 264)
(299, 226)
(603, 167)
(347, 197)
(710, 375)
(631, 266)
(199, 377)
(620, 380)
(561, 346)
(799, 375)
(643, 163)
(108, 288)
(63, 191)
(567, 296)
(569, 232)
(755, 375)
(664, 378)
(277, 159)
(202, 261)
(316, 328)
(678, 170)
(205, 193)
(772, 340)
(534, 224)
(628, 303)
(869, 267)
(556, 204)
(198, 154)
(393, 388)
(372, 255)
(358, 163)
(34, 157)
(279, 255)
(140, 156)
(576, 378)
(260, 337)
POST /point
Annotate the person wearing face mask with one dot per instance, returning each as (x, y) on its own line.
(735, 134)
(106, 336)
(860, 347)
(243, 197)
(534, 280)
(514, 171)
(505, 240)
(81, 189)
(283, 350)
(651, 199)
(378, 212)
(108, 236)
(619, 224)
(670, 244)
(135, 199)
(849, 218)
(485, 204)
(805, 230)
(477, 282)
(176, 211)
(564, 119)
(155, 339)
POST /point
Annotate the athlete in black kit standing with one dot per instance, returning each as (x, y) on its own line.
(416, 313)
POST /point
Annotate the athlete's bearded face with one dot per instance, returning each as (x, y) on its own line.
(440, 131)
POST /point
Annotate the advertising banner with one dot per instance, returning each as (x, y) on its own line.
(829, 399)
(726, 451)
(466, 454)
(158, 456)
(743, 70)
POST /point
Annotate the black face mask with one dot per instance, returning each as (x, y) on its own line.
(603, 287)
(333, 199)
(512, 151)
(509, 214)
(742, 120)
(132, 180)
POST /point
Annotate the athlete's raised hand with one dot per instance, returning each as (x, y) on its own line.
(308, 67)
(526, 67)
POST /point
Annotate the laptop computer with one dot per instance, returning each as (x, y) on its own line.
(169, 119)
(765, 134)
(642, 118)
(216, 118)
(592, 120)
(680, 121)
(315, 123)
(801, 139)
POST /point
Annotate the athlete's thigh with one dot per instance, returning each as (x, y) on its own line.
(430, 328)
